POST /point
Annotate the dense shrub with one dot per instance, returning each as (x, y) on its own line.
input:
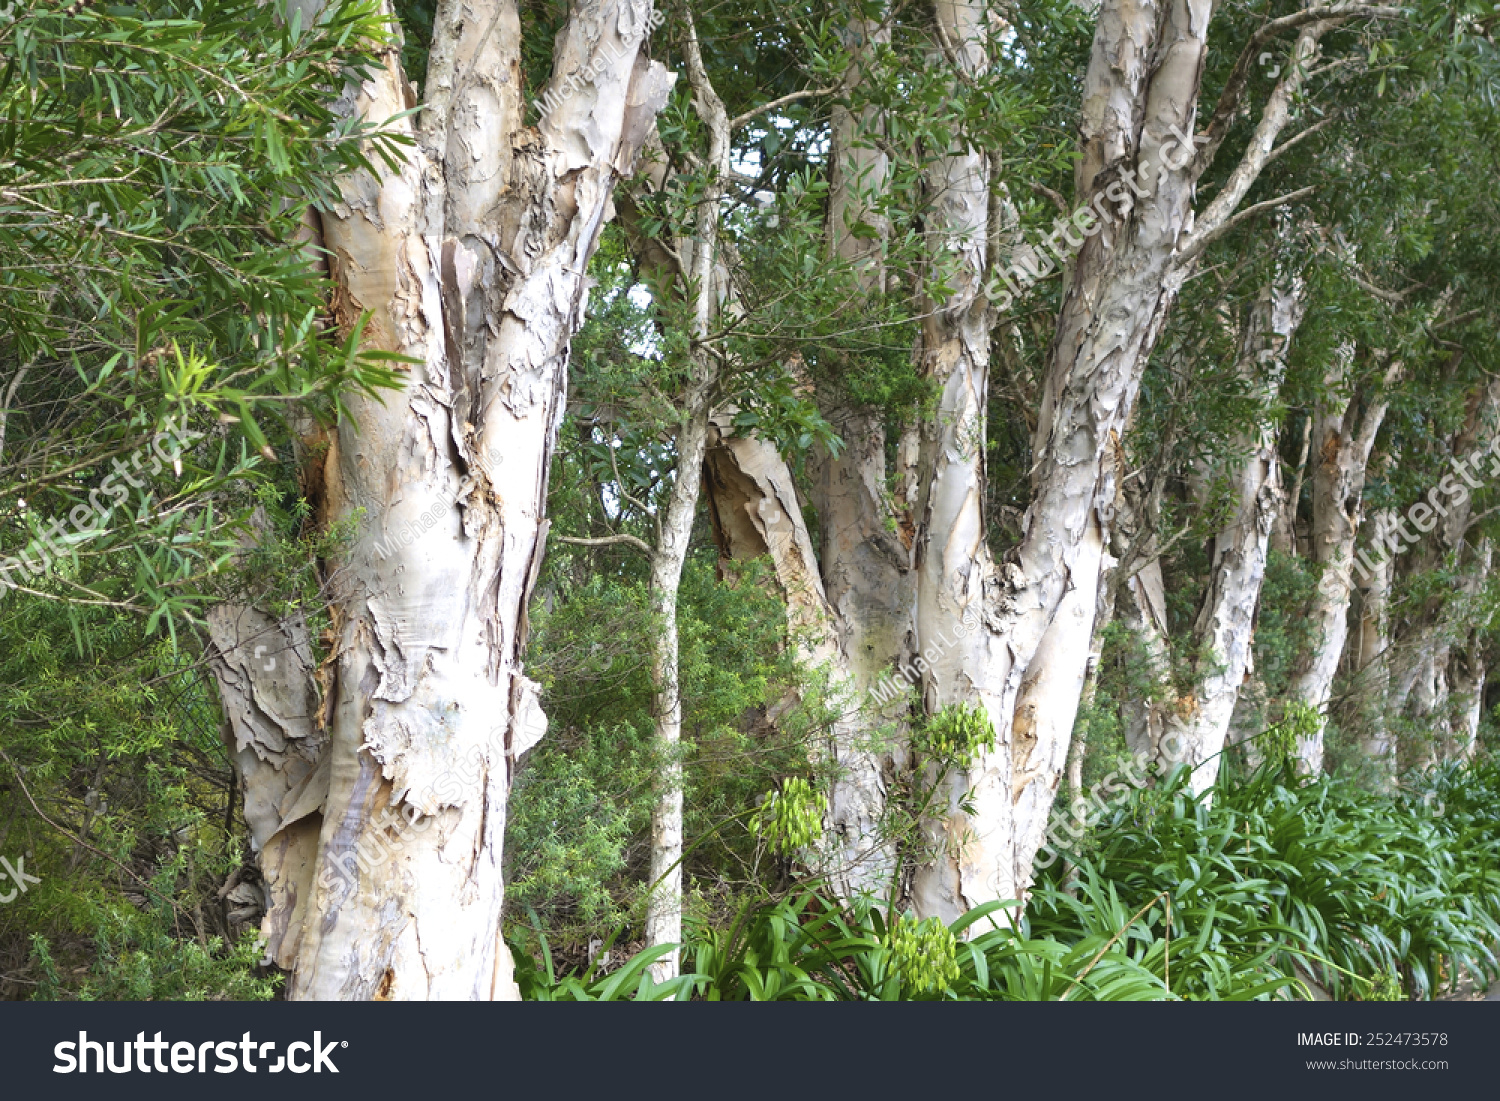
(1172, 896)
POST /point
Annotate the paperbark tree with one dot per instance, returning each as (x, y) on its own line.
(1026, 667)
(468, 254)
(1345, 424)
(706, 280)
(1373, 673)
(1194, 732)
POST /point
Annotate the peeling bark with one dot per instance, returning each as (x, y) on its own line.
(469, 255)
(952, 557)
(266, 679)
(1376, 744)
(755, 511)
(1343, 433)
(1224, 632)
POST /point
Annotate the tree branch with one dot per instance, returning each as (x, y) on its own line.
(779, 101)
(1239, 77)
(1203, 238)
(609, 540)
(1309, 132)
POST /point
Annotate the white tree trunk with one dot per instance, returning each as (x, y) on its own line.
(850, 604)
(1377, 746)
(1143, 599)
(1342, 436)
(1422, 691)
(664, 904)
(1121, 285)
(469, 255)
(1224, 633)
(866, 537)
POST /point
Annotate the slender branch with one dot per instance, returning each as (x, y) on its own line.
(1200, 241)
(1474, 521)
(1394, 298)
(78, 840)
(609, 540)
(1111, 942)
(1056, 199)
(1459, 319)
(1239, 78)
(779, 101)
(10, 397)
(1309, 132)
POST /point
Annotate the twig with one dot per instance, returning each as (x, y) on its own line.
(1110, 944)
(80, 841)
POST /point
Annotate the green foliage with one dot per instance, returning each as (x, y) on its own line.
(156, 163)
(1283, 638)
(925, 954)
(1377, 898)
(1276, 874)
(116, 791)
(790, 819)
(1299, 720)
(579, 816)
(801, 948)
(955, 736)
(1125, 675)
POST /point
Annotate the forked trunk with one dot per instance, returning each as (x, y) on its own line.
(1139, 241)
(469, 256)
(1224, 633)
(1344, 429)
